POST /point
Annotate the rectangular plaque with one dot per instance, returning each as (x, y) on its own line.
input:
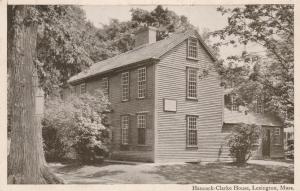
(170, 105)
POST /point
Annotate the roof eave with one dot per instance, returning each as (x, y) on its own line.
(73, 82)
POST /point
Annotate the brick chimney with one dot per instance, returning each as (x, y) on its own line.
(145, 35)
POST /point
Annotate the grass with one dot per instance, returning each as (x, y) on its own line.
(146, 173)
(226, 173)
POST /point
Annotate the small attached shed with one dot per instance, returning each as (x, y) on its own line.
(270, 144)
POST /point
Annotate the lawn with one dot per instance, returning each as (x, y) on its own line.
(184, 173)
(227, 173)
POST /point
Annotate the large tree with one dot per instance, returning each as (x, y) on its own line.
(268, 74)
(66, 45)
(26, 161)
(118, 37)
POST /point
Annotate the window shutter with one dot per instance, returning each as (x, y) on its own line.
(130, 130)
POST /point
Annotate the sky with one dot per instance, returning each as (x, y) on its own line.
(203, 17)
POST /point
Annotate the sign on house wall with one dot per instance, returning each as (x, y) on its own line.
(170, 105)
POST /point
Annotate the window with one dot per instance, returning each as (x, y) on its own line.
(105, 86)
(259, 106)
(124, 129)
(141, 124)
(141, 82)
(234, 106)
(125, 86)
(192, 83)
(192, 48)
(82, 88)
(277, 136)
(229, 84)
(191, 131)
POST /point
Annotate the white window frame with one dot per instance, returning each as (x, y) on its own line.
(125, 86)
(191, 129)
(192, 50)
(105, 86)
(125, 129)
(259, 106)
(234, 106)
(142, 124)
(81, 86)
(142, 79)
(192, 83)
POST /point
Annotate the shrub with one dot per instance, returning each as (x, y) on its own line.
(74, 129)
(241, 141)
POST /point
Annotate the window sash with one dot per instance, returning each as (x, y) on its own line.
(192, 131)
(234, 106)
(125, 86)
(141, 121)
(192, 83)
(124, 129)
(259, 107)
(83, 88)
(142, 82)
(141, 125)
(192, 48)
(105, 86)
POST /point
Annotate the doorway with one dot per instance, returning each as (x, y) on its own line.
(266, 144)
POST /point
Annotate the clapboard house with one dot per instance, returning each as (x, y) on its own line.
(161, 110)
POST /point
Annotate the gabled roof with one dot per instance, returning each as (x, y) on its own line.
(236, 117)
(138, 54)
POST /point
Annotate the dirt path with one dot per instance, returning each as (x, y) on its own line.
(108, 174)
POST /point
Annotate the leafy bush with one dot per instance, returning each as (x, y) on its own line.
(241, 141)
(74, 129)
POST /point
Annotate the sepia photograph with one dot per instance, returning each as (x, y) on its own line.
(151, 94)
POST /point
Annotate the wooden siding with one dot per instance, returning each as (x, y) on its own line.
(131, 107)
(276, 150)
(171, 127)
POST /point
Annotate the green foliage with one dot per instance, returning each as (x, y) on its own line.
(165, 20)
(67, 43)
(241, 140)
(73, 128)
(268, 74)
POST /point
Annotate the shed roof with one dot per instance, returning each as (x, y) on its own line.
(138, 54)
(235, 117)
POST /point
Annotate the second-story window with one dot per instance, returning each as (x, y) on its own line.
(105, 86)
(125, 86)
(234, 105)
(191, 83)
(142, 82)
(192, 48)
(259, 106)
(83, 88)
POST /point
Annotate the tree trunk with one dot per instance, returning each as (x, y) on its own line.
(26, 161)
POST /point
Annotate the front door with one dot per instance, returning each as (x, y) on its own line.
(266, 144)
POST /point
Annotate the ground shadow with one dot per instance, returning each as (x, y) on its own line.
(104, 173)
(72, 167)
(226, 173)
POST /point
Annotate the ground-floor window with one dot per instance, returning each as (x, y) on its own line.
(191, 131)
(141, 126)
(124, 129)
